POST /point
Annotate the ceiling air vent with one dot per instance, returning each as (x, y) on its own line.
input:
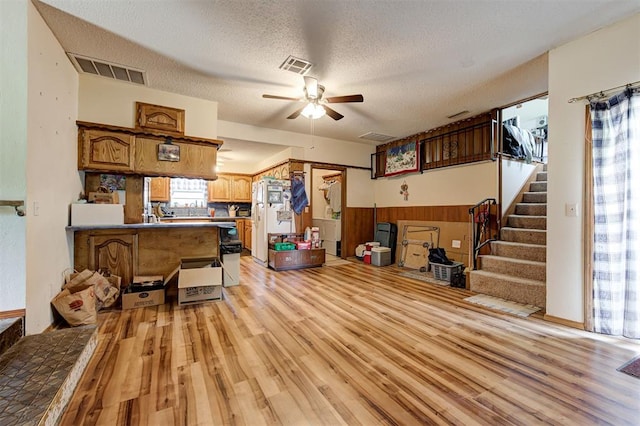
(106, 69)
(378, 137)
(296, 65)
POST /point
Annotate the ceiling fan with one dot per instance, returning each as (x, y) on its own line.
(316, 105)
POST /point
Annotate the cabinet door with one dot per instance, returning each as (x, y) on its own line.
(156, 117)
(104, 150)
(241, 189)
(219, 189)
(160, 189)
(195, 161)
(116, 253)
(240, 228)
(248, 225)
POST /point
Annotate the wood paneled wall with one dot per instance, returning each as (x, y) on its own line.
(358, 228)
(458, 213)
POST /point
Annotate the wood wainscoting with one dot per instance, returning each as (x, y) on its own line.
(358, 228)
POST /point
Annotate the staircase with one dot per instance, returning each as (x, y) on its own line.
(516, 268)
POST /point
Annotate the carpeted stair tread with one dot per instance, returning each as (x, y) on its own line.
(536, 252)
(541, 176)
(528, 222)
(520, 268)
(521, 235)
(521, 290)
(535, 197)
(531, 209)
(538, 186)
(39, 374)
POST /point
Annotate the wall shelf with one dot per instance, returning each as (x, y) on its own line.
(17, 205)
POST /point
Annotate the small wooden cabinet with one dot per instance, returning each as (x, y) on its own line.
(105, 150)
(156, 117)
(160, 189)
(230, 188)
(296, 259)
(196, 160)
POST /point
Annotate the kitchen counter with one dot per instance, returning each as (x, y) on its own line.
(158, 225)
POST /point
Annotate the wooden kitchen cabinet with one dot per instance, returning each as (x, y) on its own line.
(230, 188)
(160, 189)
(219, 189)
(248, 231)
(196, 161)
(156, 117)
(240, 228)
(102, 147)
(105, 150)
(115, 251)
(241, 189)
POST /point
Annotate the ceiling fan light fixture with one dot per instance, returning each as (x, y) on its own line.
(313, 111)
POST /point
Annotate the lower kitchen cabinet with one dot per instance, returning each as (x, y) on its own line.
(248, 233)
(295, 259)
(114, 252)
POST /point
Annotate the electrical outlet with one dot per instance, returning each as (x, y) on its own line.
(455, 243)
(36, 208)
(571, 210)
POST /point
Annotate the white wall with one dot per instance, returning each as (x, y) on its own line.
(514, 175)
(107, 101)
(53, 181)
(459, 185)
(360, 188)
(13, 151)
(601, 60)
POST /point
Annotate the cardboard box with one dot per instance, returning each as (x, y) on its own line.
(97, 214)
(199, 281)
(142, 299)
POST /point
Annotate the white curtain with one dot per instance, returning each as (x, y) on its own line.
(616, 197)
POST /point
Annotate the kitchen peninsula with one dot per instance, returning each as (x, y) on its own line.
(143, 248)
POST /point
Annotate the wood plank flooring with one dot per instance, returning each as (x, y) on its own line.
(348, 345)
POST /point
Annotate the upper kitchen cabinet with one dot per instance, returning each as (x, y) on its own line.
(160, 189)
(187, 159)
(159, 118)
(241, 189)
(105, 150)
(119, 149)
(219, 189)
(230, 188)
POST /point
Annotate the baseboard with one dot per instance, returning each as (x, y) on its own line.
(562, 321)
(16, 313)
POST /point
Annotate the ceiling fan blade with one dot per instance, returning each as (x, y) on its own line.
(332, 113)
(311, 84)
(284, 98)
(295, 114)
(343, 99)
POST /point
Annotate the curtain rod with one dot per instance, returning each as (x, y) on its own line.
(602, 92)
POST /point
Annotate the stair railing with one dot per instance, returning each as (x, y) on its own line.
(484, 226)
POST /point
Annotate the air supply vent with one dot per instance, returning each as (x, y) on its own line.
(93, 66)
(378, 137)
(296, 65)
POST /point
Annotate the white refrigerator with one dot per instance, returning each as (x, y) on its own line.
(271, 214)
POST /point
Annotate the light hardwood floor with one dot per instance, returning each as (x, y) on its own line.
(354, 345)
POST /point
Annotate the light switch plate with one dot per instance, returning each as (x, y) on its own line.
(571, 210)
(455, 243)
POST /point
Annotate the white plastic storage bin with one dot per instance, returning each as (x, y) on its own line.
(381, 256)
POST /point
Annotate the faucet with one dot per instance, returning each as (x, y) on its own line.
(191, 212)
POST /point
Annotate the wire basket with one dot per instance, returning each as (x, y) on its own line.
(445, 272)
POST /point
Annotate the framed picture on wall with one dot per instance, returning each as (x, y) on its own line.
(402, 159)
(168, 152)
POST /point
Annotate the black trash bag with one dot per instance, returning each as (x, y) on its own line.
(438, 255)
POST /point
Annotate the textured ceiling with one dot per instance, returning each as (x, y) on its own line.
(415, 62)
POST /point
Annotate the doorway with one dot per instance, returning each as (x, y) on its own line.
(327, 202)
